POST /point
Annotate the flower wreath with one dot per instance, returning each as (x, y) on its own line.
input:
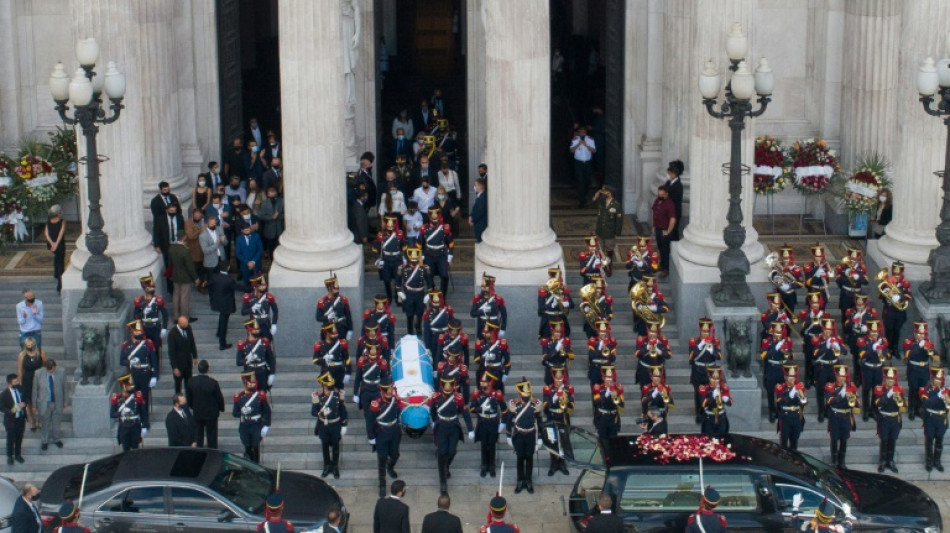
(768, 176)
(814, 164)
(861, 189)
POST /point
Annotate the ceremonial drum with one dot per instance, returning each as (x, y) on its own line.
(412, 377)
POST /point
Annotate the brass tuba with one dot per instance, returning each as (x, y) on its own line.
(778, 276)
(888, 289)
(592, 311)
(640, 302)
(899, 400)
(553, 285)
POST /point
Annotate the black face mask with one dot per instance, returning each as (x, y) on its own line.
(30, 300)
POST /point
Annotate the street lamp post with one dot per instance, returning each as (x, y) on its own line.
(84, 92)
(733, 291)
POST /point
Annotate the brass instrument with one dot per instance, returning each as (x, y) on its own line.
(553, 285)
(666, 398)
(617, 398)
(935, 360)
(719, 405)
(899, 400)
(888, 289)
(562, 400)
(640, 302)
(428, 141)
(778, 276)
(590, 309)
(853, 402)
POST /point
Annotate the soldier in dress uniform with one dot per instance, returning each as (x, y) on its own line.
(252, 408)
(488, 306)
(892, 315)
(371, 367)
(446, 406)
(129, 408)
(386, 433)
(138, 355)
(414, 284)
(593, 261)
(262, 307)
(918, 351)
(704, 350)
(452, 367)
(874, 355)
(705, 519)
(558, 405)
(435, 319)
(856, 326)
(255, 355)
(556, 352)
(716, 399)
(608, 400)
(489, 407)
(496, 518)
(792, 278)
(824, 519)
(451, 338)
(851, 276)
(605, 303)
(332, 354)
(492, 355)
(841, 397)
(150, 309)
(601, 352)
(389, 247)
(653, 349)
(522, 423)
(402, 171)
(384, 321)
(371, 336)
(657, 394)
(329, 408)
(934, 403)
(438, 243)
(334, 308)
(273, 510)
(810, 320)
(69, 519)
(790, 399)
(774, 313)
(890, 401)
(641, 261)
(828, 349)
(554, 303)
(817, 273)
(657, 305)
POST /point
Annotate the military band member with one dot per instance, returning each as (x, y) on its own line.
(874, 355)
(446, 406)
(716, 399)
(255, 355)
(332, 354)
(253, 410)
(605, 303)
(388, 248)
(522, 423)
(451, 338)
(653, 349)
(138, 355)
(601, 352)
(488, 306)
(657, 395)
(329, 408)
(371, 367)
(558, 405)
(828, 351)
(609, 402)
(386, 434)
(657, 304)
(273, 512)
(856, 326)
(435, 319)
(919, 353)
(262, 307)
(810, 319)
(841, 397)
(496, 518)
(128, 407)
(334, 308)
(593, 261)
(402, 171)
(824, 519)
(790, 399)
(492, 355)
(438, 243)
(384, 321)
(704, 350)
(69, 519)
(371, 336)
(892, 315)
(705, 520)
(554, 303)
(774, 313)
(934, 403)
(489, 407)
(851, 276)
(889, 400)
(817, 273)
(556, 352)
(791, 278)
(641, 261)
(452, 367)
(150, 309)
(414, 284)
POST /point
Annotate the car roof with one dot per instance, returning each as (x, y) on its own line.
(169, 464)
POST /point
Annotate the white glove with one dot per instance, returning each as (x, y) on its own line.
(785, 287)
(435, 374)
(725, 399)
(504, 378)
(343, 431)
(372, 441)
(501, 427)
(921, 343)
(842, 392)
(346, 380)
(450, 259)
(652, 307)
(501, 334)
(797, 501)
(793, 393)
(256, 308)
(471, 435)
(607, 393)
(349, 334)
(144, 432)
(715, 393)
(510, 443)
(356, 399)
(846, 509)
(855, 275)
(270, 380)
(557, 347)
(895, 298)
(264, 431)
(152, 382)
(942, 394)
(426, 299)
(890, 393)
(273, 329)
(164, 333)
(655, 393)
(565, 302)
(400, 296)
(379, 263)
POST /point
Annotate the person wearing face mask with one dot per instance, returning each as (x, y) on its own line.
(253, 163)
(194, 227)
(402, 122)
(14, 408)
(412, 221)
(478, 217)
(401, 146)
(418, 147)
(884, 213)
(249, 250)
(422, 119)
(424, 196)
(449, 207)
(483, 171)
(273, 175)
(272, 149)
(29, 316)
(393, 202)
(30, 359)
(26, 517)
(449, 179)
(254, 131)
(201, 195)
(161, 201)
(234, 161)
(164, 233)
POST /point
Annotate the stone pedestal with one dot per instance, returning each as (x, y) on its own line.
(737, 328)
(938, 315)
(98, 335)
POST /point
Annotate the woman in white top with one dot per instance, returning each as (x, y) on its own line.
(254, 196)
(393, 202)
(403, 121)
(449, 180)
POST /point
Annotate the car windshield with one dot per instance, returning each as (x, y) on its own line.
(827, 479)
(246, 484)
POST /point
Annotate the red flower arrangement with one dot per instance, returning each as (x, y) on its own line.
(814, 164)
(768, 176)
(861, 190)
(684, 448)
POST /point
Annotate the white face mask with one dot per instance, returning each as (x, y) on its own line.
(882, 198)
(247, 217)
(441, 197)
(202, 183)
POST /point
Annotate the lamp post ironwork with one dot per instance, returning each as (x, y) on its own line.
(933, 84)
(733, 291)
(84, 92)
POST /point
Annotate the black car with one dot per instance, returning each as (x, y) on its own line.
(164, 490)
(655, 492)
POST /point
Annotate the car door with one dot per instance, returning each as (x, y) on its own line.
(575, 445)
(198, 511)
(786, 490)
(135, 510)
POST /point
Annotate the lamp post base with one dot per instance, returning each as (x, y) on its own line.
(733, 291)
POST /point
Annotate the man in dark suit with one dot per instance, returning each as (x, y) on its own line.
(675, 185)
(360, 220)
(401, 146)
(207, 403)
(478, 218)
(271, 176)
(605, 521)
(13, 407)
(162, 200)
(221, 289)
(25, 517)
(420, 122)
(249, 250)
(180, 423)
(442, 521)
(164, 232)
(182, 352)
(392, 515)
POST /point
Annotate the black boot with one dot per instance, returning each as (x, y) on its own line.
(444, 285)
(391, 468)
(336, 462)
(520, 484)
(553, 468)
(938, 451)
(443, 466)
(381, 471)
(327, 464)
(484, 467)
(834, 452)
(419, 325)
(891, 444)
(842, 451)
(256, 455)
(448, 465)
(928, 455)
(562, 466)
(491, 462)
(410, 320)
(528, 467)
(881, 456)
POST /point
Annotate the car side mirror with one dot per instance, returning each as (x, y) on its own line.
(225, 515)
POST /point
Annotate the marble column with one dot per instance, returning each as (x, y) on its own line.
(476, 90)
(872, 30)
(919, 145)
(185, 46)
(366, 67)
(204, 38)
(679, 83)
(316, 240)
(518, 245)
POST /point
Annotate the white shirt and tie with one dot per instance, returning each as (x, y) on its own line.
(172, 228)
